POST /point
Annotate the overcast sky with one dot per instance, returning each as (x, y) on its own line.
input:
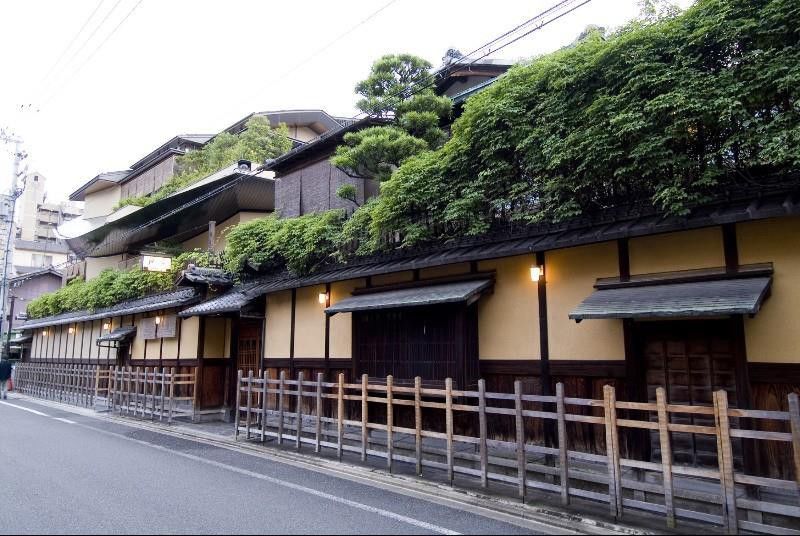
(181, 66)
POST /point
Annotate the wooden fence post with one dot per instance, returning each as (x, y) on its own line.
(163, 391)
(482, 425)
(299, 409)
(666, 455)
(794, 420)
(612, 451)
(236, 417)
(364, 416)
(264, 405)
(318, 438)
(563, 456)
(725, 460)
(172, 373)
(418, 423)
(340, 416)
(249, 404)
(520, 432)
(448, 403)
(97, 387)
(281, 387)
(389, 423)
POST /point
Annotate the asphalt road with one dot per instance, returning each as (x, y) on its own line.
(67, 473)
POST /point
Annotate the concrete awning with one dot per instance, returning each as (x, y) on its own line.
(736, 296)
(460, 292)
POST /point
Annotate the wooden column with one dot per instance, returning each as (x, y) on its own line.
(327, 330)
(544, 348)
(292, 332)
(212, 235)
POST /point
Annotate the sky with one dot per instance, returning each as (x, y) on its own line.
(142, 71)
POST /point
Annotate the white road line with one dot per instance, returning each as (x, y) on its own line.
(25, 409)
(283, 483)
(64, 420)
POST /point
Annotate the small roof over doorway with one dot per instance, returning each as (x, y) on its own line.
(458, 292)
(683, 299)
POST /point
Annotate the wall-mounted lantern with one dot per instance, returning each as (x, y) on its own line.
(158, 320)
(44, 333)
(106, 326)
(323, 298)
(537, 272)
(71, 330)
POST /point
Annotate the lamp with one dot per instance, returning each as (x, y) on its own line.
(537, 272)
(158, 320)
(44, 333)
(71, 330)
(106, 326)
(323, 298)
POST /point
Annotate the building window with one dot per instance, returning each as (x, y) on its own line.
(41, 261)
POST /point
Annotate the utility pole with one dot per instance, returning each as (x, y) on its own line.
(13, 195)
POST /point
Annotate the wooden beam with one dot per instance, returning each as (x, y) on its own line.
(730, 247)
(212, 235)
(327, 330)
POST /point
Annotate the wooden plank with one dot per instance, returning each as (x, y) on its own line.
(318, 438)
(299, 408)
(563, 459)
(172, 394)
(340, 416)
(794, 421)
(281, 388)
(725, 461)
(389, 423)
(249, 403)
(666, 455)
(520, 434)
(448, 383)
(236, 417)
(364, 417)
(482, 424)
(612, 452)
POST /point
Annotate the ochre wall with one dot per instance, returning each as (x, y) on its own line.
(508, 319)
(685, 250)
(279, 321)
(773, 335)
(570, 274)
(341, 325)
(217, 338)
(190, 337)
(220, 241)
(309, 337)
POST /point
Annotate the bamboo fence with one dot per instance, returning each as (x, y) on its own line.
(314, 413)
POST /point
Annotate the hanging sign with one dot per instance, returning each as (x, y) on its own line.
(152, 263)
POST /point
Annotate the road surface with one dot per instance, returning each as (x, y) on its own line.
(67, 473)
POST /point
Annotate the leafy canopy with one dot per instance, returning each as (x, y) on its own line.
(257, 143)
(388, 81)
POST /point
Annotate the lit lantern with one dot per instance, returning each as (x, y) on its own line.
(106, 326)
(44, 333)
(323, 298)
(537, 272)
(71, 330)
(158, 320)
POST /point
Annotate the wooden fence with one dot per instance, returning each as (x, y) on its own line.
(152, 392)
(365, 418)
(81, 385)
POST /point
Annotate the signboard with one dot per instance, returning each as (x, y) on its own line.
(147, 328)
(168, 326)
(152, 263)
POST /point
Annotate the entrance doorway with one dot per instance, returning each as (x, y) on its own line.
(691, 360)
(248, 357)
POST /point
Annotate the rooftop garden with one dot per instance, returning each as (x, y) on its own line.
(256, 143)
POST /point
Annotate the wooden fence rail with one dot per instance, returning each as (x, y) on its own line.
(344, 417)
(152, 392)
(81, 385)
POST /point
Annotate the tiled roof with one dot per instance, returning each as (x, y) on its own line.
(119, 334)
(231, 301)
(205, 276)
(699, 298)
(153, 302)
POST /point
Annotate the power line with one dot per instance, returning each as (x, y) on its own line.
(72, 42)
(96, 50)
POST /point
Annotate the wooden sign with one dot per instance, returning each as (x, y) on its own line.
(168, 326)
(147, 328)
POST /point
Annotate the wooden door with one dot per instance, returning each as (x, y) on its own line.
(248, 356)
(691, 360)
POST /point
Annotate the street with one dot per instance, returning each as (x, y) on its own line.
(63, 472)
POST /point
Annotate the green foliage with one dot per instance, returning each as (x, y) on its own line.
(258, 142)
(114, 286)
(301, 244)
(348, 192)
(377, 152)
(388, 78)
(667, 110)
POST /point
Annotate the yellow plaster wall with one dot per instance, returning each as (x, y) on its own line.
(508, 319)
(215, 342)
(389, 279)
(137, 345)
(70, 343)
(341, 328)
(570, 274)
(201, 241)
(278, 321)
(442, 271)
(684, 250)
(309, 337)
(190, 337)
(773, 336)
